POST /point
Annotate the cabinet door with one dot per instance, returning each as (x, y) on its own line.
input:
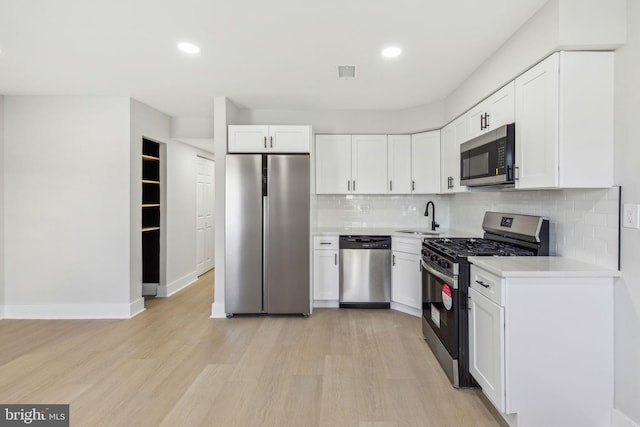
(537, 125)
(452, 136)
(369, 164)
(248, 139)
(406, 276)
(486, 347)
(425, 162)
(500, 107)
(325, 275)
(333, 164)
(289, 139)
(399, 164)
(474, 121)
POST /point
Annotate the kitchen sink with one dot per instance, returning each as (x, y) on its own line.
(420, 232)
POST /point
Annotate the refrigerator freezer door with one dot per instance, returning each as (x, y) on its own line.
(243, 234)
(287, 267)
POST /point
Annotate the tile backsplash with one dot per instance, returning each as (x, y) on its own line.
(583, 222)
(353, 211)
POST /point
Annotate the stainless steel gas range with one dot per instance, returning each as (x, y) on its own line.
(445, 281)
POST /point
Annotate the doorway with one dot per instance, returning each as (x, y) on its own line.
(205, 196)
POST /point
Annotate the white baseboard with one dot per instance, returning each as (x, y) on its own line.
(70, 311)
(406, 309)
(136, 307)
(618, 419)
(217, 310)
(177, 285)
(322, 303)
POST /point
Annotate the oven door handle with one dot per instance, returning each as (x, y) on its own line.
(439, 275)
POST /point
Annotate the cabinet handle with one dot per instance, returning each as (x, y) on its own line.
(482, 122)
(413, 186)
(393, 262)
(348, 185)
(390, 185)
(325, 243)
(420, 266)
(486, 120)
(481, 283)
(516, 173)
(335, 259)
(354, 185)
(270, 142)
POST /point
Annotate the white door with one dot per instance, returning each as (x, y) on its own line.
(501, 107)
(333, 164)
(248, 139)
(369, 164)
(537, 95)
(486, 347)
(475, 121)
(406, 280)
(326, 275)
(289, 139)
(205, 219)
(425, 162)
(399, 164)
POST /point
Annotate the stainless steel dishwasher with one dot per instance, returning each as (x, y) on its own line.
(365, 271)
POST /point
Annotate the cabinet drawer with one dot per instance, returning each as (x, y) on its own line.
(487, 284)
(406, 244)
(326, 242)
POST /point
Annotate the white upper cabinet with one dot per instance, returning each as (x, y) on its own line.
(493, 112)
(369, 164)
(399, 164)
(269, 139)
(564, 122)
(425, 162)
(452, 135)
(333, 164)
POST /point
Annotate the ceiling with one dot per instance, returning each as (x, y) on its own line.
(272, 54)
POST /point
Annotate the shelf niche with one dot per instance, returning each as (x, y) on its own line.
(150, 213)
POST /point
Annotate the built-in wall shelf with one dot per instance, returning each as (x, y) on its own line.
(151, 185)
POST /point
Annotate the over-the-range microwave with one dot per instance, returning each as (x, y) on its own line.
(489, 158)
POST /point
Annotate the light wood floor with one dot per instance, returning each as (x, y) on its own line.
(174, 366)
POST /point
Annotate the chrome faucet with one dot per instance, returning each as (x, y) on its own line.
(434, 224)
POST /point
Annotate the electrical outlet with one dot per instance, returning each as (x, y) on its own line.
(630, 216)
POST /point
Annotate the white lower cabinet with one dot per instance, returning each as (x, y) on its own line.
(486, 346)
(541, 339)
(406, 275)
(326, 272)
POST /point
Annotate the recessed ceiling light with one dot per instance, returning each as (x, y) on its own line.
(189, 48)
(391, 52)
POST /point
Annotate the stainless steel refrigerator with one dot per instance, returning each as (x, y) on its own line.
(267, 234)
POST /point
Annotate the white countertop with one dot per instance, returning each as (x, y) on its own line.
(540, 266)
(386, 231)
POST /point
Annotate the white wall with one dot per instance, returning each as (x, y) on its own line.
(1, 207)
(67, 183)
(626, 155)
(411, 120)
(225, 112)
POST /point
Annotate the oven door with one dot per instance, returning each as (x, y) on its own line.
(440, 307)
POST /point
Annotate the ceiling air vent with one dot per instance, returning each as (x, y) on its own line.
(346, 71)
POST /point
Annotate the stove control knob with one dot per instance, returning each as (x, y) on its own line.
(444, 263)
(433, 258)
